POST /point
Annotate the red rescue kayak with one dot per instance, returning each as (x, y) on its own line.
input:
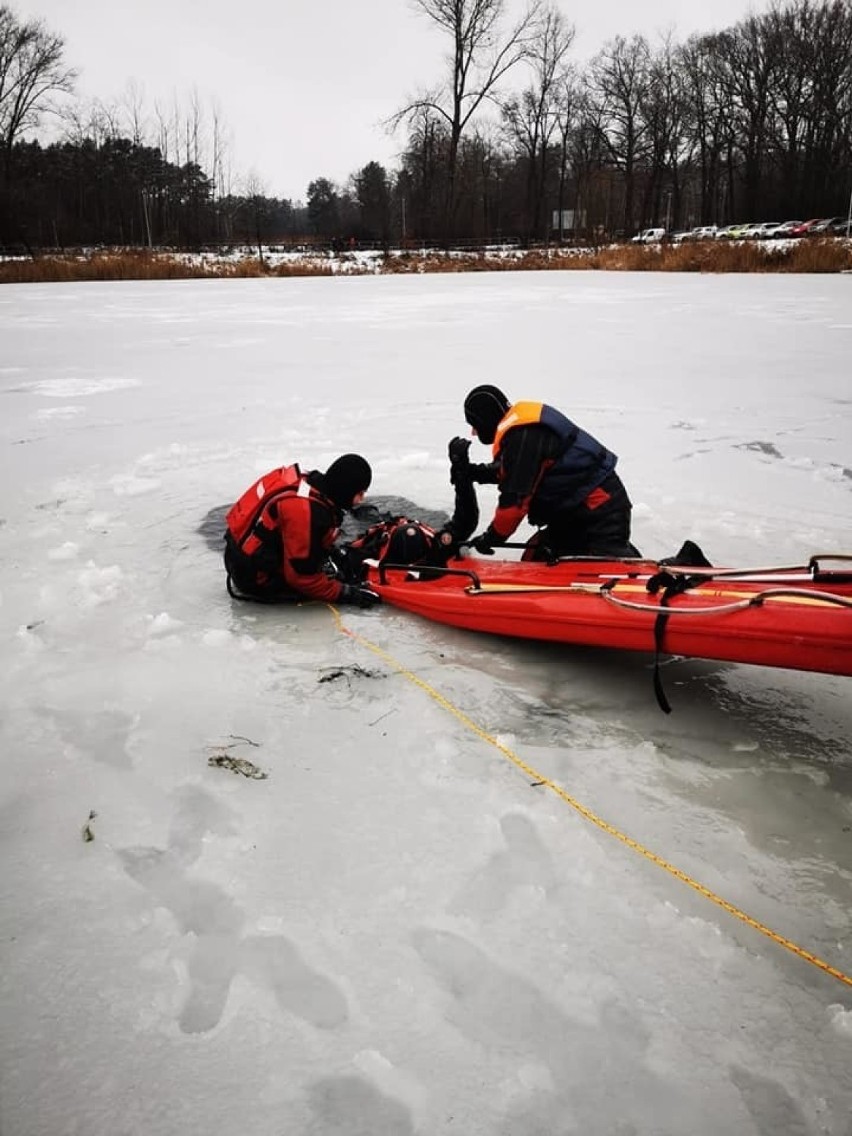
(798, 617)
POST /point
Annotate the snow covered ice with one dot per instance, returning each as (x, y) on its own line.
(395, 933)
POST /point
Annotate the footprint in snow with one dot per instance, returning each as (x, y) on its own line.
(219, 948)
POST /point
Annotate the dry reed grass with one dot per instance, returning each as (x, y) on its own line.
(412, 263)
(305, 268)
(98, 266)
(804, 256)
(145, 265)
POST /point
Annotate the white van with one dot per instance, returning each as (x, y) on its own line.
(649, 236)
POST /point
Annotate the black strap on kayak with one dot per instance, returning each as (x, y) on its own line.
(659, 630)
(666, 586)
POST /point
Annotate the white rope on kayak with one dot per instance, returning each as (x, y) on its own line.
(809, 570)
(606, 591)
(829, 598)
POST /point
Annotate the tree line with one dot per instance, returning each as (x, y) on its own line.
(749, 123)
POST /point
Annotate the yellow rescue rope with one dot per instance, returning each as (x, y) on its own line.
(546, 782)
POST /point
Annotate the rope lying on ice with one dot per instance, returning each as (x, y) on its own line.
(540, 780)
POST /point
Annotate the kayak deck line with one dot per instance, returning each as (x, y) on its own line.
(789, 595)
(757, 599)
(633, 569)
(808, 571)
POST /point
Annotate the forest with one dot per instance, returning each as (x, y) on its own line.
(522, 143)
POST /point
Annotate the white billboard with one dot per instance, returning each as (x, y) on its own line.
(567, 222)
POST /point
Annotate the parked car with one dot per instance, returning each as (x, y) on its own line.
(704, 233)
(822, 228)
(732, 232)
(841, 228)
(785, 229)
(804, 229)
(753, 231)
(763, 230)
(649, 236)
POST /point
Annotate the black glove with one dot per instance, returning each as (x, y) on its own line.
(459, 459)
(346, 565)
(360, 596)
(458, 449)
(485, 542)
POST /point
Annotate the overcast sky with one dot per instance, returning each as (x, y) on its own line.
(303, 86)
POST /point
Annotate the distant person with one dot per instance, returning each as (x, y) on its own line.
(551, 472)
(281, 530)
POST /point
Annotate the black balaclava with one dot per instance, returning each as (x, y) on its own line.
(345, 478)
(483, 409)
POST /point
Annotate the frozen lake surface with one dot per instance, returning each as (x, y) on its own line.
(398, 932)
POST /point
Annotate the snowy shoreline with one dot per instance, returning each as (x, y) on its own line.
(805, 256)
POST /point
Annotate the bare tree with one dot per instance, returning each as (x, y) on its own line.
(481, 185)
(708, 114)
(82, 121)
(195, 130)
(531, 118)
(810, 122)
(256, 197)
(31, 71)
(750, 65)
(421, 192)
(663, 111)
(568, 126)
(584, 152)
(163, 131)
(618, 85)
(133, 105)
(221, 169)
(479, 59)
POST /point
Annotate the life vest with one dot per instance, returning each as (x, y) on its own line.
(581, 467)
(243, 517)
(252, 523)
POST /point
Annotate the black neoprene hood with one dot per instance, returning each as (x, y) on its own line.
(483, 409)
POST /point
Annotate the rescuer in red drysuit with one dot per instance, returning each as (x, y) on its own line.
(280, 531)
